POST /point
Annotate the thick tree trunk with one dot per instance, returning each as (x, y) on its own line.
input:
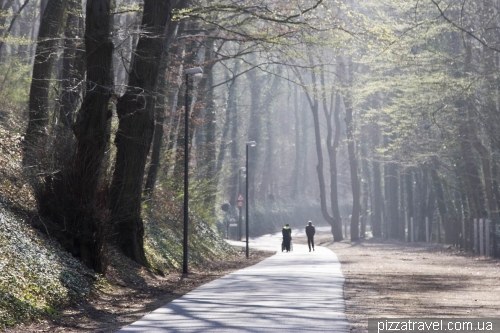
(46, 50)
(72, 73)
(73, 70)
(91, 132)
(135, 130)
(160, 107)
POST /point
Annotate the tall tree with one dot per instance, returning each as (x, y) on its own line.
(38, 112)
(135, 130)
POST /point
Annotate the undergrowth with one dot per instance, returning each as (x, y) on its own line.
(164, 240)
(36, 275)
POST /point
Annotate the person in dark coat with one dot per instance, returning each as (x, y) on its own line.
(310, 231)
(287, 236)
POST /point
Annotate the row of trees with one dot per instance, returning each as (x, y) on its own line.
(395, 104)
(123, 84)
(425, 104)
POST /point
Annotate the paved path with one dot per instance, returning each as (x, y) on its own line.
(300, 291)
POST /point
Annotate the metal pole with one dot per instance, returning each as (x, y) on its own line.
(246, 200)
(238, 236)
(426, 229)
(186, 179)
(412, 237)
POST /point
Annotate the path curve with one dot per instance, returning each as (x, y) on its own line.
(299, 291)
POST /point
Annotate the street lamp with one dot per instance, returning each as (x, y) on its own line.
(248, 144)
(189, 71)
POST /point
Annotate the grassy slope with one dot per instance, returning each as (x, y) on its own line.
(38, 278)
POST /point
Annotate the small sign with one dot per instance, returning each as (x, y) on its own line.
(233, 224)
(240, 200)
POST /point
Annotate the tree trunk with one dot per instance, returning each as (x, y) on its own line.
(161, 103)
(410, 201)
(296, 165)
(254, 129)
(73, 72)
(391, 183)
(488, 186)
(422, 206)
(365, 188)
(378, 197)
(235, 133)
(304, 171)
(334, 190)
(230, 129)
(91, 132)
(135, 130)
(266, 186)
(46, 50)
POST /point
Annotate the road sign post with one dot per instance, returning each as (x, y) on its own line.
(239, 202)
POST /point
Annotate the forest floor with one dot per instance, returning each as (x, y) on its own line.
(132, 292)
(394, 279)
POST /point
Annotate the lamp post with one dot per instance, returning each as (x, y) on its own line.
(248, 144)
(189, 71)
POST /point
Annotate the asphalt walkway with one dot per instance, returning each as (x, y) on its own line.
(299, 291)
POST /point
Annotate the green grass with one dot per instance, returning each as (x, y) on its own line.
(164, 239)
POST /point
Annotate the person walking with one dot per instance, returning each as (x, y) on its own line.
(310, 231)
(287, 236)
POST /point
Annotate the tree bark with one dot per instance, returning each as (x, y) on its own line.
(365, 189)
(377, 188)
(391, 184)
(353, 167)
(296, 166)
(254, 129)
(160, 107)
(91, 132)
(38, 115)
(334, 190)
(135, 130)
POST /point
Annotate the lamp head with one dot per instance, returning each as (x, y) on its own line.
(194, 70)
(251, 143)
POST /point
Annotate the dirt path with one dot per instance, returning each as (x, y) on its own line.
(391, 279)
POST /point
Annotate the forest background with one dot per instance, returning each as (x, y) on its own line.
(367, 113)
